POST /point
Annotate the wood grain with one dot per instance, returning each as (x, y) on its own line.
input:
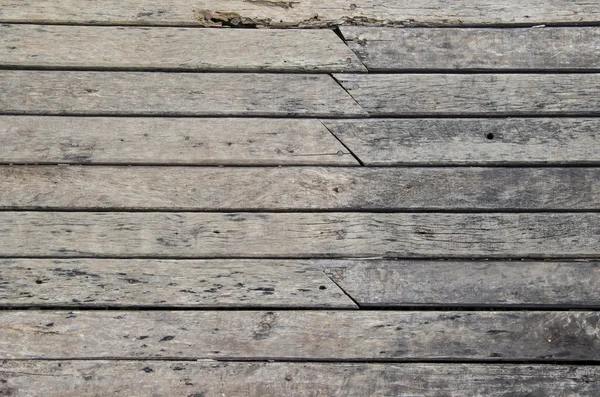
(519, 49)
(467, 283)
(287, 335)
(174, 94)
(515, 141)
(301, 13)
(131, 48)
(181, 378)
(299, 235)
(167, 283)
(475, 94)
(292, 188)
(170, 141)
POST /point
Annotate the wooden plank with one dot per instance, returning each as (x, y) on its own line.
(389, 49)
(467, 283)
(301, 13)
(167, 283)
(299, 235)
(151, 378)
(475, 94)
(471, 141)
(191, 141)
(174, 48)
(314, 335)
(174, 94)
(305, 188)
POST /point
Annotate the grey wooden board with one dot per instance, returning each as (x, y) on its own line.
(475, 94)
(530, 141)
(167, 283)
(299, 235)
(300, 13)
(184, 94)
(210, 379)
(293, 188)
(155, 140)
(287, 335)
(467, 283)
(129, 48)
(392, 49)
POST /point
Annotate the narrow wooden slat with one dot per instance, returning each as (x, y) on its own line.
(285, 335)
(183, 94)
(467, 283)
(314, 188)
(300, 13)
(389, 49)
(174, 48)
(300, 235)
(192, 141)
(146, 378)
(471, 141)
(156, 283)
(474, 94)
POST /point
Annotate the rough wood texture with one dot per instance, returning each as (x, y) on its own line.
(389, 49)
(471, 141)
(183, 94)
(474, 94)
(174, 48)
(156, 283)
(291, 188)
(193, 141)
(285, 335)
(300, 235)
(300, 13)
(470, 283)
(195, 379)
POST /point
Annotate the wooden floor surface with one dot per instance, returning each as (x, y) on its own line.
(300, 198)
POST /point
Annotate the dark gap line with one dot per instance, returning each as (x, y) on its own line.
(444, 165)
(349, 296)
(349, 95)
(293, 360)
(357, 117)
(360, 162)
(554, 258)
(414, 25)
(303, 210)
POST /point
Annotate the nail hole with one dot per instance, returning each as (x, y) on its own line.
(39, 282)
(490, 136)
(322, 287)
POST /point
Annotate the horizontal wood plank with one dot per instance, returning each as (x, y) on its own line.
(149, 378)
(467, 283)
(300, 235)
(163, 283)
(291, 188)
(131, 48)
(287, 335)
(171, 141)
(475, 94)
(173, 94)
(519, 141)
(390, 49)
(300, 13)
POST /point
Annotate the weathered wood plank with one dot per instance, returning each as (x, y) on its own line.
(389, 49)
(174, 48)
(339, 335)
(167, 283)
(475, 94)
(191, 141)
(182, 94)
(151, 378)
(467, 283)
(471, 141)
(301, 13)
(291, 188)
(300, 235)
